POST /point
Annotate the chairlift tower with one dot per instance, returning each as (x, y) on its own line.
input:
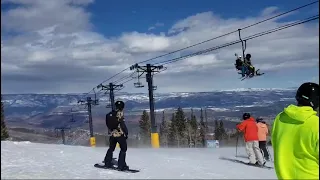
(89, 102)
(149, 70)
(62, 130)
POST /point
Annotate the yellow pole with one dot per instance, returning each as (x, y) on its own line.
(92, 141)
(155, 140)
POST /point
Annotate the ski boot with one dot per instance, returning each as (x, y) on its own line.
(123, 168)
(257, 163)
(109, 165)
(252, 164)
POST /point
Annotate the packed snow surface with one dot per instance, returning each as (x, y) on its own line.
(39, 161)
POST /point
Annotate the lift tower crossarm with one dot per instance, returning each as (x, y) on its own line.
(111, 87)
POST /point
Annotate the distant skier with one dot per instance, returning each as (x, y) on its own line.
(119, 134)
(262, 135)
(250, 68)
(250, 129)
(239, 63)
(295, 136)
(247, 59)
(240, 66)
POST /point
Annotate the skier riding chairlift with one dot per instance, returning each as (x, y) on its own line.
(246, 67)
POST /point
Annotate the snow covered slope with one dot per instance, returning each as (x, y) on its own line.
(39, 161)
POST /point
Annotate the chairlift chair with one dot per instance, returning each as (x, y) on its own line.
(138, 84)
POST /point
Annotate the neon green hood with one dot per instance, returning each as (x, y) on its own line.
(295, 138)
(298, 115)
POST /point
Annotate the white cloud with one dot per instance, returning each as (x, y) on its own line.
(155, 26)
(269, 11)
(202, 60)
(144, 43)
(40, 56)
(39, 14)
(151, 28)
(55, 50)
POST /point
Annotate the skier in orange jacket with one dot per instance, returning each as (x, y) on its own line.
(250, 129)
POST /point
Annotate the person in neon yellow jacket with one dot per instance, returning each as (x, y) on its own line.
(295, 136)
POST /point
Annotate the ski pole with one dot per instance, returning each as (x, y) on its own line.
(269, 153)
(237, 144)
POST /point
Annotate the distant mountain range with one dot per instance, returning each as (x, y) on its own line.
(33, 117)
(55, 110)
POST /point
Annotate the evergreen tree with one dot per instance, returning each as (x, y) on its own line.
(164, 131)
(173, 135)
(180, 124)
(202, 131)
(206, 120)
(217, 134)
(145, 128)
(222, 131)
(4, 131)
(194, 129)
(189, 132)
(192, 126)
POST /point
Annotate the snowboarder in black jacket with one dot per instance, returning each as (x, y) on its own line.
(118, 134)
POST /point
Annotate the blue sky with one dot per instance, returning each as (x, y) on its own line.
(138, 15)
(60, 47)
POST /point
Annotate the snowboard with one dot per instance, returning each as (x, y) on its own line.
(115, 168)
(245, 163)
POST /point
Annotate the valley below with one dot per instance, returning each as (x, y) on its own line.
(34, 117)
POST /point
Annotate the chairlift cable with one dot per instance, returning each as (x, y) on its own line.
(217, 47)
(238, 41)
(278, 15)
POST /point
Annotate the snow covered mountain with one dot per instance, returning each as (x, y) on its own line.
(25, 160)
(51, 110)
(31, 104)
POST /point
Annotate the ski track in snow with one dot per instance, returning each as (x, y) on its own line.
(38, 161)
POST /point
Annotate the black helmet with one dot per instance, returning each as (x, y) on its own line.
(119, 105)
(246, 116)
(259, 119)
(248, 56)
(308, 95)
